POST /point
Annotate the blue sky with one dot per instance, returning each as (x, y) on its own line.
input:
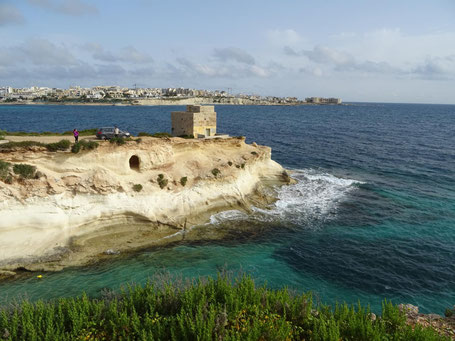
(384, 51)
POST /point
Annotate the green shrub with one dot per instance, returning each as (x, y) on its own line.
(60, 145)
(76, 148)
(449, 312)
(139, 140)
(24, 171)
(242, 165)
(208, 309)
(187, 136)
(85, 132)
(162, 181)
(89, 145)
(161, 135)
(2, 134)
(254, 153)
(137, 187)
(215, 172)
(118, 140)
(84, 145)
(183, 181)
(230, 163)
(22, 144)
(4, 169)
(143, 133)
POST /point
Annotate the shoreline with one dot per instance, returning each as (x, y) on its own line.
(164, 102)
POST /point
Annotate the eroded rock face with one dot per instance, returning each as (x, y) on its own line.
(80, 194)
(443, 325)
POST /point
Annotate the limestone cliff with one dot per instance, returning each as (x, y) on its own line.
(121, 197)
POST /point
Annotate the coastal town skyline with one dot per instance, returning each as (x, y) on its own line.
(138, 95)
(359, 51)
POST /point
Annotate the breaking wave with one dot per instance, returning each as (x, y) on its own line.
(315, 196)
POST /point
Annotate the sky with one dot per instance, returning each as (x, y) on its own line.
(358, 50)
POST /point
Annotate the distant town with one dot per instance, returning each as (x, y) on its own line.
(144, 96)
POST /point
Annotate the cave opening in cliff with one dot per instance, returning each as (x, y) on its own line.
(135, 163)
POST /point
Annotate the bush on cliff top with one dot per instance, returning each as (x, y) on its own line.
(85, 132)
(118, 140)
(23, 144)
(205, 310)
(24, 171)
(159, 134)
(84, 145)
(60, 145)
(4, 169)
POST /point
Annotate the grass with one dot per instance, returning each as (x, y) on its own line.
(24, 171)
(137, 187)
(211, 309)
(2, 134)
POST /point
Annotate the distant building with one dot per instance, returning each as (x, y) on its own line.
(199, 121)
(320, 100)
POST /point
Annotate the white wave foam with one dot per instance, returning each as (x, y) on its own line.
(227, 215)
(315, 196)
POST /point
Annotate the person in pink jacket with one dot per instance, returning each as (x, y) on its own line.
(76, 135)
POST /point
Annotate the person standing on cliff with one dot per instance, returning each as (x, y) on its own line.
(116, 131)
(76, 135)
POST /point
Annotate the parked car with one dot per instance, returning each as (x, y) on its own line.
(107, 133)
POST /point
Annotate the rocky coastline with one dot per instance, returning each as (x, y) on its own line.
(79, 208)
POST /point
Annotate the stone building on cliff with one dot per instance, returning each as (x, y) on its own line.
(197, 120)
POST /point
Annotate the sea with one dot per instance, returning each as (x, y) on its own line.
(371, 217)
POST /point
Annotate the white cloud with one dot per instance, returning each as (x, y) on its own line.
(37, 52)
(437, 68)
(284, 37)
(233, 54)
(323, 54)
(128, 54)
(68, 7)
(10, 15)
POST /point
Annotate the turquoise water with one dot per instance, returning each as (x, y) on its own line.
(371, 217)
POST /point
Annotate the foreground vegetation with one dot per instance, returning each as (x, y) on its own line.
(210, 309)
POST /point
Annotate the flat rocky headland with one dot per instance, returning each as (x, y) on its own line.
(79, 207)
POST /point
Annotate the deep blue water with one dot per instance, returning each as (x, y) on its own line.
(372, 216)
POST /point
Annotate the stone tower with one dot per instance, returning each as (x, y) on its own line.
(197, 120)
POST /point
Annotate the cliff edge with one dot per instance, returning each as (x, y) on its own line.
(149, 191)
